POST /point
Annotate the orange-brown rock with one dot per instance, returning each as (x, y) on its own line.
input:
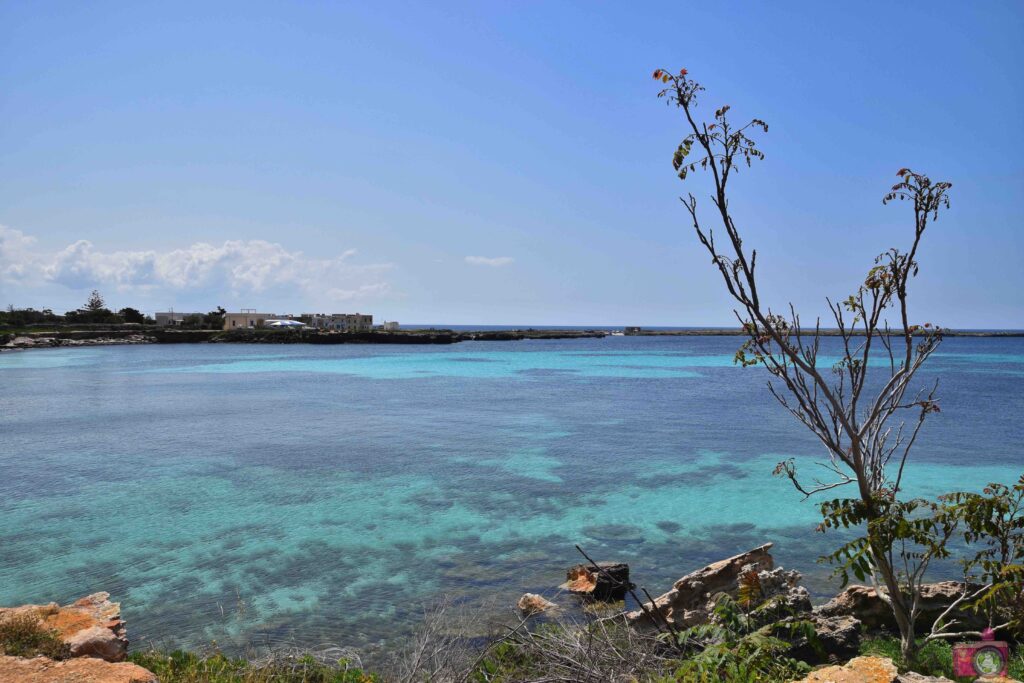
(610, 581)
(91, 626)
(81, 670)
(857, 670)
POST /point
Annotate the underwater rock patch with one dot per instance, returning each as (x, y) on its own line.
(616, 533)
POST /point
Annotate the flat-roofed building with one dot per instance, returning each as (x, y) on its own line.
(343, 322)
(171, 318)
(248, 318)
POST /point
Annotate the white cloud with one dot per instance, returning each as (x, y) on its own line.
(236, 266)
(16, 257)
(492, 261)
(360, 292)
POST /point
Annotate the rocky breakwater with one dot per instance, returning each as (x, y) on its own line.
(44, 342)
(83, 641)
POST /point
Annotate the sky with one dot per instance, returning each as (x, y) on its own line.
(499, 162)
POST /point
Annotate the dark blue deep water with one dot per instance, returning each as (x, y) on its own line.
(255, 494)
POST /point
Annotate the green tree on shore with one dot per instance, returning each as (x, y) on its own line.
(94, 311)
(132, 315)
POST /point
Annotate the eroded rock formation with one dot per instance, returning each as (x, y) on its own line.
(863, 603)
(692, 597)
(96, 641)
(91, 626)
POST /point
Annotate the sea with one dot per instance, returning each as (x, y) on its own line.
(256, 495)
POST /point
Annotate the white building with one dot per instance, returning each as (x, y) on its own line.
(171, 318)
(342, 322)
(389, 326)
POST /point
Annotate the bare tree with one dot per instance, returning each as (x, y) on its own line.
(859, 422)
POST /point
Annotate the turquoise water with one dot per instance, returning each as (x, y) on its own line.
(253, 494)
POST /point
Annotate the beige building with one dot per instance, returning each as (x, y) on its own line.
(247, 318)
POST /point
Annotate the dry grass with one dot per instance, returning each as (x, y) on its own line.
(24, 635)
(329, 665)
(453, 645)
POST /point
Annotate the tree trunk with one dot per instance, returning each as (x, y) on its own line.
(900, 610)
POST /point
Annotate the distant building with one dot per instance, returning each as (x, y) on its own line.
(247, 318)
(171, 318)
(342, 322)
(632, 330)
(389, 326)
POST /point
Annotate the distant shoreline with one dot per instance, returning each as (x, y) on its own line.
(25, 339)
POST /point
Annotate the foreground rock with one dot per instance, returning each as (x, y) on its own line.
(863, 603)
(838, 639)
(867, 670)
(692, 597)
(531, 603)
(91, 627)
(610, 583)
(82, 670)
(858, 670)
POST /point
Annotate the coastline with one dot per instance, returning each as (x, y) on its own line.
(22, 340)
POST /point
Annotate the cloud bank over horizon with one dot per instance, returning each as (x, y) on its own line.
(201, 271)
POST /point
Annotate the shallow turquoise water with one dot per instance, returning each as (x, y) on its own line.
(254, 493)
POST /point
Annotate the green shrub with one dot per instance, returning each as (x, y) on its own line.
(739, 645)
(935, 659)
(23, 635)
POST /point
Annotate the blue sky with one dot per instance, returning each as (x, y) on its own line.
(497, 163)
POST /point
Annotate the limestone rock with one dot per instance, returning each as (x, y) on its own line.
(531, 603)
(857, 670)
(783, 588)
(82, 670)
(97, 641)
(838, 638)
(91, 626)
(611, 583)
(692, 597)
(911, 677)
(863, 603)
